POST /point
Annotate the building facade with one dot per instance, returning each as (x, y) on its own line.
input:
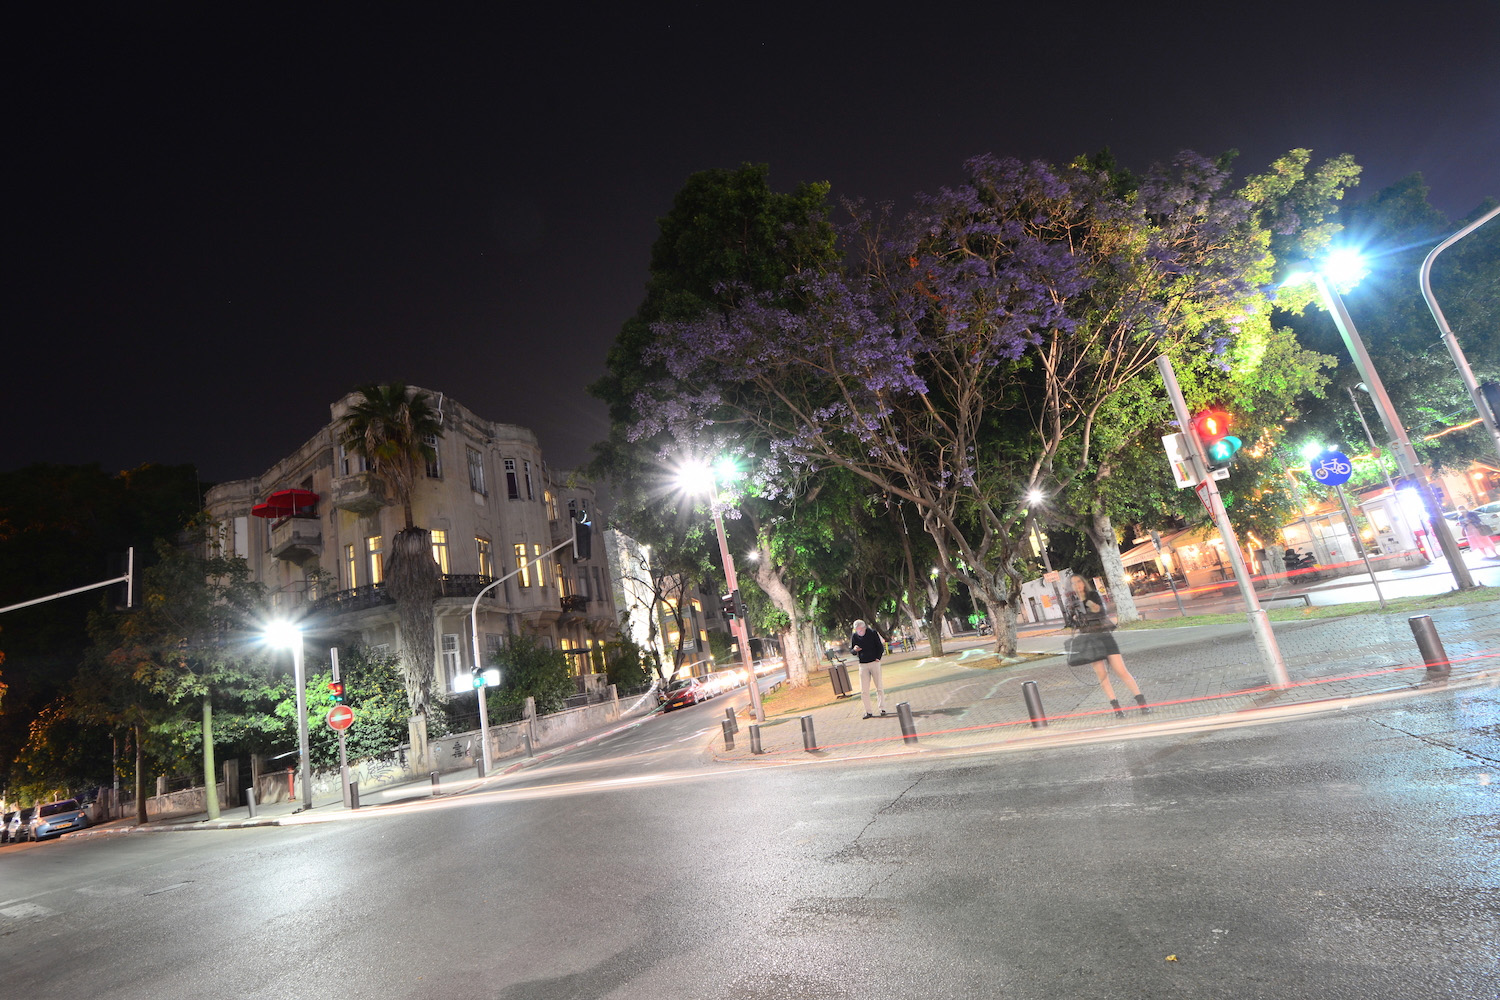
(494, 510)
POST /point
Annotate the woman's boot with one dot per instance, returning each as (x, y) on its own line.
(1115, 704)
(1140, 701)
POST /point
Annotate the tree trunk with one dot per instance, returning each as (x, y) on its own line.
(798, 659)
(140, 777)
(1101, 532)
(210, 785)
(413, 581)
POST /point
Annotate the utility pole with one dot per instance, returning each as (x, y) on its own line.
(1208, 492)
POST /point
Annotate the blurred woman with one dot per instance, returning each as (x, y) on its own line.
(1094, 644)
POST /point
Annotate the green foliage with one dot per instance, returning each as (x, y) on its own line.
(528, 669)
(718, 647)
(627, 664)
(373, 689)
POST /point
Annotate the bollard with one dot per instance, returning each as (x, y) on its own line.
(728, 735)
(1430, 646)
(434, 776)
(250, 801)
(1033, 696)
(353, 795)
(734, 724)
(908, 728)
(526, 735)
(479, 766)
(809, 739)
(755, 740)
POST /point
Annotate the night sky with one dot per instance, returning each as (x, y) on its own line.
(222, 222)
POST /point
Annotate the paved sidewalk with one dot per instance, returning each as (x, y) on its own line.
(1189, 673)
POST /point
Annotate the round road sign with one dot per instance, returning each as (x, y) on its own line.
(1332, 468)
(341, 717)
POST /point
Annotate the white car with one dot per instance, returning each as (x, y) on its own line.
(1489, 516)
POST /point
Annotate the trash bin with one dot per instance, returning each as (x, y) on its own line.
(838, 676)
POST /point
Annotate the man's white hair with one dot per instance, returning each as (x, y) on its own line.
(859, 623)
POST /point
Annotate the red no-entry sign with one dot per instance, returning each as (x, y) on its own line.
(340, 717)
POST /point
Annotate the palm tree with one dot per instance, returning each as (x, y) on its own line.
(390, 426)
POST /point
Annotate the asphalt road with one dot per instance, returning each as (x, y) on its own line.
(1351, 854)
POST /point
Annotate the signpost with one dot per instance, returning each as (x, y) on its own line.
(340, 718)
(1333, 468)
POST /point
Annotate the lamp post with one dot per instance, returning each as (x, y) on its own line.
(1034, 498)
(1406, 455)
(1424, 278)
(289, 636)
(697, 479)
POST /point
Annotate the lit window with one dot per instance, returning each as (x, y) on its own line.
(512, 485)
(550, 499)
(476, 471)
(349, 566)
(536, 556)
(373, 547)
(440, 550)
(486, 557)
(435, 463)
(523, 567)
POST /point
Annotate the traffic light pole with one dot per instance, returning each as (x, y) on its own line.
(1260, 623)
(333, 655)
(740, 631)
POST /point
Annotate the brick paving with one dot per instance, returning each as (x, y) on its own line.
(1188, 673)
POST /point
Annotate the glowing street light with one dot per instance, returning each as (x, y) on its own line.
(288, 636)
(1342, 267)
(699, 479)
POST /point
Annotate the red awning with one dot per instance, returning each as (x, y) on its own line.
(284, 503)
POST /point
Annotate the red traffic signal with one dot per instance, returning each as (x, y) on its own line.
(1211, 427)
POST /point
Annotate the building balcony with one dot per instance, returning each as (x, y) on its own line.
(354, 599)
(573, 608)
(296, 539)
(468, 585)
(361, 493)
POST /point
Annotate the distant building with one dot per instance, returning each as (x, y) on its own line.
(491, 504)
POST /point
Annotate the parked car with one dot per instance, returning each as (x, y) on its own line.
(19, 827)
(1489, 515)
(683, 691)
(5, 826)
(56, 818)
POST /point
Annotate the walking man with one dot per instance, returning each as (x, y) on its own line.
(867, 646)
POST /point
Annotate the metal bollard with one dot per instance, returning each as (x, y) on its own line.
(526, 735)
(728, 735)
(479, 766)
(908, 728)
(1033, 696)
(250, 801)
(353, 795)
(809, 739)
(434, 776)
(755, 740)
(1430, 646)
(734, 724)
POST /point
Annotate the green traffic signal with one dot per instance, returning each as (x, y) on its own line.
(1221, 452)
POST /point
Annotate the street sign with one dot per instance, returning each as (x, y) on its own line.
(1177, 457)
(1332, 468)
(340, 717)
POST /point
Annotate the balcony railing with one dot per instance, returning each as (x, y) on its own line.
(575, 604)
(371, 595)
(296, 539)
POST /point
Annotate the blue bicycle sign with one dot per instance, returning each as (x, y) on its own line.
(1332, 468)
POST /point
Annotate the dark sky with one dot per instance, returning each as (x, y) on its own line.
(222, 222)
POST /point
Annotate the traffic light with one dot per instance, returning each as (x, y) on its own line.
(1211, 427)
(1491, 393)
(336, 691)
(726, 604)
(741, 608)
(583, 541)
(476, 674)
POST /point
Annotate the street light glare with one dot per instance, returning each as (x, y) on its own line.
(695, 477)
(1344, 267)
(1312, 450)
(1035, 497)
(283, 634)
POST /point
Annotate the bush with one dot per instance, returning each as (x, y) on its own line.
(529, 669)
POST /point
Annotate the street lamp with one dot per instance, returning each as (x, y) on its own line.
(697, 478)
(289, 636)
(1344, 267)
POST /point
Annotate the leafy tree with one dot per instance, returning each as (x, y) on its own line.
(529, 669)
(728, 235)
(374, 688)
(390, 427)
(194, 639)
(627, 664)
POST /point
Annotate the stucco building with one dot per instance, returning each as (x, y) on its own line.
(315, 527)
